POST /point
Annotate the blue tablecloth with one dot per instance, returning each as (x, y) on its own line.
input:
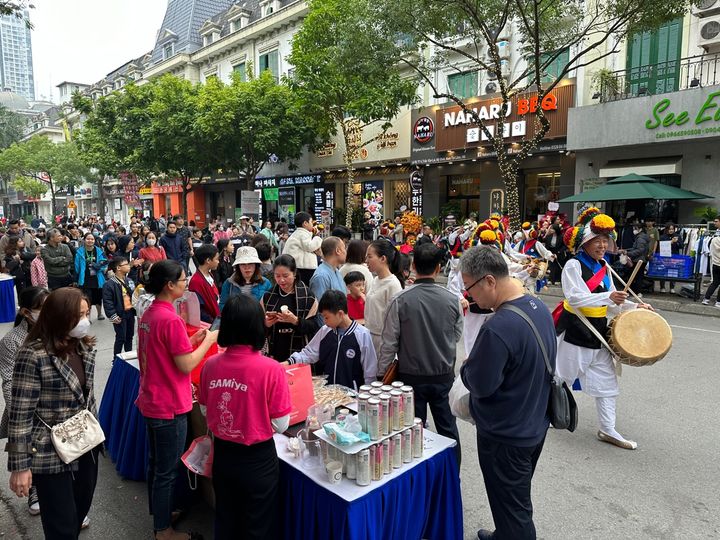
(423, 502)
(124, 426)
(7, 300)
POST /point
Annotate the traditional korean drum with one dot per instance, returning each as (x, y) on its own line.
(640, 337)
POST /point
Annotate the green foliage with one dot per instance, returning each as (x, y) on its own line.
(707, 213)
(11, 127)
(435, 224)
(32, 187)
(247, 122)
(58, 165)
(16, 8)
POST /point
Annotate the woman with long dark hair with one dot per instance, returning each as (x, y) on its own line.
(246, 471)
(225, 268)
(355, 261)
(384, 261)
(290, 310)
(90, 266)
(166, 359)
(53, 380)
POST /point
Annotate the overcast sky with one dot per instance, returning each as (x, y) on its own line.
(84, 40)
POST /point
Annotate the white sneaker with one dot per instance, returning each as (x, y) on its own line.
(717, 304)
(663, 290)
(672, 291)
(85, 523)
(705, 302)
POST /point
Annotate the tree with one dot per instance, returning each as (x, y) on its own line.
(57, 165)
(11, 127)
(251, 121)
(16, 8)
(31, 187)
(347, 76)
(557, 38)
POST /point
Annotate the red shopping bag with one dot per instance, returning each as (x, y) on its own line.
(299, 378)
(199, 457)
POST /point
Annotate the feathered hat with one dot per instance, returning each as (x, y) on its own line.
(590, 224)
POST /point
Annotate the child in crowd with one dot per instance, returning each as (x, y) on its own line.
(38, 276)
(342, 345)
(264, 251)
(117, 302)
(355, 283)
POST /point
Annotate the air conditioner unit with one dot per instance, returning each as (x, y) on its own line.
(503, 48)
(505, 68)
(710, 33)
(491, 88)
(705, 8)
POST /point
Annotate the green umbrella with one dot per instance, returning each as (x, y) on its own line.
(634, 186)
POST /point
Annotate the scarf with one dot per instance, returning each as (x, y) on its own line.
(208, 293)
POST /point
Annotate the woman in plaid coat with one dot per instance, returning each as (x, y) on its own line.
(53, 379)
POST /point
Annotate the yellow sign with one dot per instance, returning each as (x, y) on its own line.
(72, 205)
(145, 191)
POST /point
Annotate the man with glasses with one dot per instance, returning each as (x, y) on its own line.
(509, 389)
(422, 326)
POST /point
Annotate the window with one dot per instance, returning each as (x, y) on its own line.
(553, 69)
(270, 62)
(463, 85)
(240, 70)
(168, 50)
(207, 40)
(540, 189)
(234, 26)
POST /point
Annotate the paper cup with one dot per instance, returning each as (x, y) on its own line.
(334, 471)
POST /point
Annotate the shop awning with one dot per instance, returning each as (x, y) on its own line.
(652, 167)
(634, 186)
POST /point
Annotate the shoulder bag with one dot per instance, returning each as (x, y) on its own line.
(562, 408)
(75, 436)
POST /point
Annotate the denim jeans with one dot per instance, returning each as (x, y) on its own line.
(166, 440)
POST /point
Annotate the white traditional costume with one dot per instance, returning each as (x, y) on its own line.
(580, 354)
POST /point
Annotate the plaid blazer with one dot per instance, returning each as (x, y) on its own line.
(9, 346)
(46, 386)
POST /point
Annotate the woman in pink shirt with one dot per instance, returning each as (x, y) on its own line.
(166, 359)
(247, 399)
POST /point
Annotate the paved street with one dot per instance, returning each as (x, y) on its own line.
(583, 488)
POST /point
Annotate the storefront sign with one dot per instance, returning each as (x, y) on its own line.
(270, 194)
(250, 203)
(319, 201)
(663, 116)
(330, 202)
(387, 140)
(173, 186)
(286, 196)
(497, 201)
(460, 130)
(423, 130)
(130, 188)
(280, 181)
(416, 195)
(327, 150)
(373, 197)
(145, 191)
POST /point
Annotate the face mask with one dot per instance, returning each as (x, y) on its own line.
(111, 230)
(81, 329)
(151, 242)
(636, 231)
(34, 314)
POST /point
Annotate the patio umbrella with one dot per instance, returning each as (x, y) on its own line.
(634, 186)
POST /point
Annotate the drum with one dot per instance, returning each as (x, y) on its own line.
(640, 337)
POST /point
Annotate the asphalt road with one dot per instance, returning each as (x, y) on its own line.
(583, 489)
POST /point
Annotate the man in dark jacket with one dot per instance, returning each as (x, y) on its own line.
(14, 231)
(509, 389)
(637, 254)
(172, 243)
(117, 301)
(59, 261)
(422, 326)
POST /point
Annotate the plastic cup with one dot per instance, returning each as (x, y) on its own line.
(334, 471)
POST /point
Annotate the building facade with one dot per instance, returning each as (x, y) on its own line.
(16, 61)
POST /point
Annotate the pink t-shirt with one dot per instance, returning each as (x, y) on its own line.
(243, 390)
(164, 389)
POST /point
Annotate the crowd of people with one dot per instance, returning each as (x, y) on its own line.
(349, 307)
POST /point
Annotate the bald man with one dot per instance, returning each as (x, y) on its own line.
(328, 276)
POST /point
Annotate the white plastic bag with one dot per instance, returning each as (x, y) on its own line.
(459, 398)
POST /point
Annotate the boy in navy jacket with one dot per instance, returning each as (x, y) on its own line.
(343, 345)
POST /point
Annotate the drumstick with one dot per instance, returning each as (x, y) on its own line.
(613, 272)
(632, 276)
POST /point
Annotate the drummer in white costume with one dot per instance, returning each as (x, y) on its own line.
(580, 354)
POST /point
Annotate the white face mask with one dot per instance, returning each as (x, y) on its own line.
(34, 314)
(151, 242)
(81, 329)
(111, 230)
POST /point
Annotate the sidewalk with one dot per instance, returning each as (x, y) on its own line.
(660, 301)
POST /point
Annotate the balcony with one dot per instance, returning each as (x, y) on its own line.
(661, 78)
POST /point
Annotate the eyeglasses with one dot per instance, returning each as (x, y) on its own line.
(467, 289)
(183, 279)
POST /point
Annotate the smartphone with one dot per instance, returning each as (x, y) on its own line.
(271, 313)
(215, 324)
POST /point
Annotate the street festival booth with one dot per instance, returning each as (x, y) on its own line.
(353, 465)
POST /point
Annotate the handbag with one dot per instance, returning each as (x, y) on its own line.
(199, 457)
(75, 436)
(391, 373)
(562, 408)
